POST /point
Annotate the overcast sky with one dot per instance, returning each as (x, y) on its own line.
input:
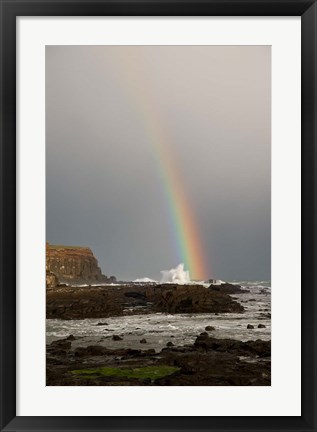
(107, 107)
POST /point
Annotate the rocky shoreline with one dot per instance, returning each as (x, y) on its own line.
(111, 358)
(66, 302)
(208, 362)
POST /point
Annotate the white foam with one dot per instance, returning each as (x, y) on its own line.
(176, 275)
(145, 279)
(218, 282)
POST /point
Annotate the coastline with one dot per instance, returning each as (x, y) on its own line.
(208, 362)
(141, 346)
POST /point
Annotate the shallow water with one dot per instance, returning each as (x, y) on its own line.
(180, 329)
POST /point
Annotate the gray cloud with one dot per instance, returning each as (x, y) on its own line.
(106, 108)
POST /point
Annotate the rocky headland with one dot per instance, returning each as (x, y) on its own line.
(72, 265)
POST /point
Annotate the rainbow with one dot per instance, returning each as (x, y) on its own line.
(183, 224)
(184, 227)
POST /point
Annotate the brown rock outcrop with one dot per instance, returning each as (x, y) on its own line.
(228, 288)
(250, 348)
(79, 303)
(190, 299)
(102, 302)
(51, 279)
(74, 265)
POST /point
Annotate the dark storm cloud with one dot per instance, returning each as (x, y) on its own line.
(103, 184)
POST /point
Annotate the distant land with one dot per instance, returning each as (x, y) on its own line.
(73, 265)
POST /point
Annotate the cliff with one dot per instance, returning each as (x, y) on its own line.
(51, 279)
(74, 265)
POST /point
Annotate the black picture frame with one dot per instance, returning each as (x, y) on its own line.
(10, 9)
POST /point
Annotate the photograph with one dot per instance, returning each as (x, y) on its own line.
(158, 215)
(158, 178)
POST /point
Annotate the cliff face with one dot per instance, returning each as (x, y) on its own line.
(73, 265)
(51, 279)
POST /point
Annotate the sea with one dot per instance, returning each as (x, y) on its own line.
(181, 329)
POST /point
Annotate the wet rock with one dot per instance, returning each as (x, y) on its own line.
(250, 326)
(96, 350)
(116, 338)
(209, 362)
(71, 337)
(62, 343)
(252, 348)
(126, 352)
(80, 303)
(228, 288)
(210, 328)
(261, 326)
(91, 351)
(103, 302)
(169, 344)
(191, 299)
(143, 341)
(102, 324)
(135, 295)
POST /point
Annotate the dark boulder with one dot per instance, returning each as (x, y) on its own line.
(172, 298)
(62, 343)
(91, 351)
(135, 295)
(251, 348)
(228, 288)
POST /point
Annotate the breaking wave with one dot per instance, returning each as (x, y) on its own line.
(175, 275)
(145, 280)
